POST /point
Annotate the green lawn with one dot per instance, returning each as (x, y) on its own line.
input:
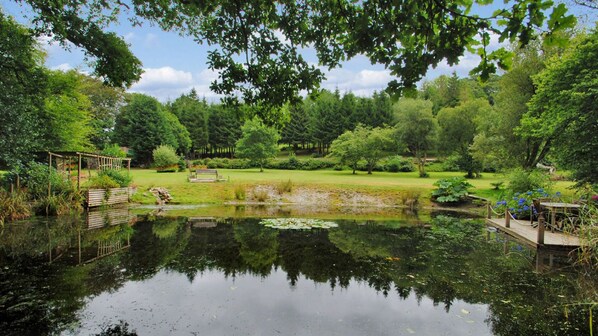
(379, 184)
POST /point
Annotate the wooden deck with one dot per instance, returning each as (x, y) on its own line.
(528, 234)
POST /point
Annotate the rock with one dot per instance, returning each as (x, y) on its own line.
(162, 195)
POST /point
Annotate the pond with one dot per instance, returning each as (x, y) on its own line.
(160, 275)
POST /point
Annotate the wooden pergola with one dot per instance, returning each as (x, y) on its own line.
(65, 160)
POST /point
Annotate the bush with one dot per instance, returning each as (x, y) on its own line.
(122, 178)
(35, 177)
(13, 206)
(451, 163)
(395, 164)
(239, 164)
(451, 190)
(59, 204)
(292, 163)
(165, 157)
(520, 204)
(182, 164)
(523, 180)
(113, 150)
(102, 181)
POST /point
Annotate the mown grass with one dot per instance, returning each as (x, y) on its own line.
(379, 184)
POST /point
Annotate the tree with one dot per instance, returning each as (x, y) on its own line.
(65, 118)
(106, 102)
(457, 129)
(258, 142)
(416, 129)
(564, 108)
(328, 119)
(499, 138)
(259, 42)
(23, 81)
(297, 130)
(378, 143)
(143, 125)
(225, 128)
(363, 143)
(193, 114)
(348, 148)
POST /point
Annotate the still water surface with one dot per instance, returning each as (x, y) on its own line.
(219, 276)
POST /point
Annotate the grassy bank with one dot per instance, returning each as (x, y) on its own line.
(339, 187)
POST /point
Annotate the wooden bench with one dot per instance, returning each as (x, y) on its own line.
(203, 175)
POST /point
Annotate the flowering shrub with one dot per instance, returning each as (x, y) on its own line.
(520, 204)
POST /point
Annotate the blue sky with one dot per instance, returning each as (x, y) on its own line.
(174, 65)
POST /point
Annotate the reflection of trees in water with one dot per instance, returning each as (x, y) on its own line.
(40, 297)
(451, 260)
(38, 237)
(257, 247)
(149, 251)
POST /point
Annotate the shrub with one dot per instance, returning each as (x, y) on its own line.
(58, 204)
(520, 204)
(35, 178)
(122, 178)
(102, 181)
(451, 163)
(240, 164)
(165, 157)
(113, 150)
(395, 164)
(451, 190)
(182, 164)
(13, 206)
(523, 180)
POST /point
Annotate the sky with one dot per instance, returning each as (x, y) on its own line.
(174, 65)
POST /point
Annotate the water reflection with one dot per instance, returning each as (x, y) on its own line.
(233, 276)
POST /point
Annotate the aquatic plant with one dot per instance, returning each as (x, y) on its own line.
(297, 223)
(451, 190)
(284, 187)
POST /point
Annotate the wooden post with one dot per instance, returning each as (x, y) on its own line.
(49, 173)
(488, 210)
(507, 219)
(540, 228)
(128, 167)
(79, 174)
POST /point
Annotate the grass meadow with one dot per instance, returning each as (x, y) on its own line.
(383, 185)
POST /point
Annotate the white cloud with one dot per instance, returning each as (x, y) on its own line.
(62, 67)
(163, 77)
(361, 83)
(167, 83)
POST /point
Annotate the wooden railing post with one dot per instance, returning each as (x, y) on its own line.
(488, 210)
(507, 219)
(540, 228)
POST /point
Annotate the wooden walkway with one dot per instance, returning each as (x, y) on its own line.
(529, 234)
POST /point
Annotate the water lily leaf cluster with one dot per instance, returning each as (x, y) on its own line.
(297, 223)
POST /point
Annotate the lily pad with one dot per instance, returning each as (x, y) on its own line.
(297, 223)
